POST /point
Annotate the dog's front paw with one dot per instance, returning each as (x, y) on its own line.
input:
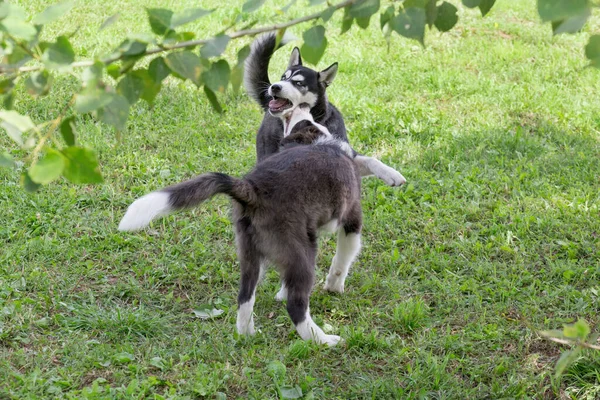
(246, 329)
(391, 177)
(332, 285)
(330, 340)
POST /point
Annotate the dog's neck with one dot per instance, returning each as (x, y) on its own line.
(299, 114)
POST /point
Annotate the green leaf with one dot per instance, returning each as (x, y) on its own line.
(38, 83)
(92, 75)
(364, 9)
(109, 21)
(471, 3)
(6, 160)
(18, 28)
(431, 12)
(327, 14)
(592, 50)
(82, 165)
(7, 85)
(215, 46)
(186, 64)
(447, 17)
(207, 311)
(48, 168)
(21, 122)
(177, 37)
(160, 20)
(8, 100)
(237, 73)
(12, 10)
(314, 45)
(59, 54)
(91, 99)
(158, 69)
(386, 16)
(53, 12)
(67, 130)
(363, 22)
(29, 185)
(410, 23)
(217, 77)
(290, 392)
(556, 10)
(579, 330)
(252, 5)
(132, 85)
(276, 370)
(316, 2)
(116, 112)
(132, 47)
(14, 133)
(123, 358)
(212, 98)
(415, 3)
(572, 24)
(114, 71)
(347, 20)
(186, 16)
(485, 6)
(566, 359)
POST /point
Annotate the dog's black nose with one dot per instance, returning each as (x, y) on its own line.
(275, 88)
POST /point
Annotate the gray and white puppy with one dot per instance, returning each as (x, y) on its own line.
(278, 210)
(299, 84)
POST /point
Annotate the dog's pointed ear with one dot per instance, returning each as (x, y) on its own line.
(328, 74)
(295, 58)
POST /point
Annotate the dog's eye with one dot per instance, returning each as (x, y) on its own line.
(283, 77)
(299, 83)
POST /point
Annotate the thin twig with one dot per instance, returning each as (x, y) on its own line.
(190, 43)
(563, 341)
(51, 129)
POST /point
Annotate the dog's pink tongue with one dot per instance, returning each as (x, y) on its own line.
(277, 103)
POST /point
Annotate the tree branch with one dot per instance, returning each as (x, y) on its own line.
(235, 35)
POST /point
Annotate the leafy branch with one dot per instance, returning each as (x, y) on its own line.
(577, 335)
(26, 59)
(185, 44)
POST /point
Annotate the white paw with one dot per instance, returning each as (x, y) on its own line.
(330, 340)
(332, 285)
(247, 329)
(282, 294)
(391, 176)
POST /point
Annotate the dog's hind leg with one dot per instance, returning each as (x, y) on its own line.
(250, 259)
(372, 166)
(348, 247)
(299, 278)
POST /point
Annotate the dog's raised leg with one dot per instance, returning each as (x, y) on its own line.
(348, 247)
(250, 266)
(372, 166)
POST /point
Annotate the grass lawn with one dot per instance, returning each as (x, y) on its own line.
(495, 237)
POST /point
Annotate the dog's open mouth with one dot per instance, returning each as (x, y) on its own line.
(279, 104)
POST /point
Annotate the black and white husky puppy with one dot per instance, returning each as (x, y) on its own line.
(278, 210)
(299, 84)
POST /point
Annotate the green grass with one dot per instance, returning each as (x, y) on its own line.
(496, 236)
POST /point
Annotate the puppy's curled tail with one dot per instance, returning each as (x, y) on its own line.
(185, 195)
(256, 67)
